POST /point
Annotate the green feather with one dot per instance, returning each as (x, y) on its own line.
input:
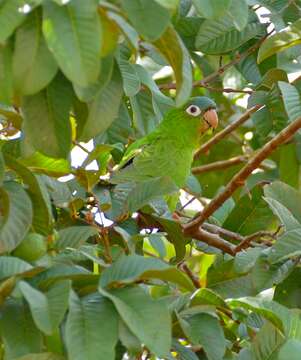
(168, 150)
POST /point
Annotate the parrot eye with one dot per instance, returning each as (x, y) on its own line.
(193, 110)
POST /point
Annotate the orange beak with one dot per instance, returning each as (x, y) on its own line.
(211, 118)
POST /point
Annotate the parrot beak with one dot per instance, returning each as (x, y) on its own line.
(211, 118)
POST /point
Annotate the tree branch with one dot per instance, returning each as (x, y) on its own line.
(219, 165)
(239, 179)
(214, 240)
(227, 130)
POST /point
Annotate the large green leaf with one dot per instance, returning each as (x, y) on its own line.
(42, 214)
(280, 41)
(134, 267)
(18, 331)
(33, 64)
(73, 34)
(17, 215)
(285, 195)
(220, 36)
(144, 316)
(148, 17)
(88, 93)
(40, 163)
(10, 265)
(12, 13)
(291, 100)
(173, 49)
(212, 9)
(289, 166)
(6, 74)
(104, 108)
(74, 236)
(47, 309)
(267, 343)
(286, 246)
(47, 125)
(92, 328)
(250, 214)
(238, 11)
(204, 329)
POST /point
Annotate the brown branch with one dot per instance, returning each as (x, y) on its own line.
(227, 130)
(239, 179)
(214, 240)
(219, 165)
(191, 275)
(223, 232)
(245, 243)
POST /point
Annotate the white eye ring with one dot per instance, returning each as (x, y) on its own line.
(193, 110)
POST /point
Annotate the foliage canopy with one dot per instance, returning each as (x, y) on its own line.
(94, 271)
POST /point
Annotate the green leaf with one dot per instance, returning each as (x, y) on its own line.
(42, 164)
(12, 13)
(88, 93)
(104, 108)
(288, 292)
(286, 246)
(18, 331)
(10, 266)
(212, 9)
(289, 166)
(132, 268)
(291, 100)
(42, 213)
(46, 124)
(47, 309)
(131, 81)
(217, 37)
(207, 297)
(92, 328)
(272, 311)
(291, 36)
(148, 17)
(17, 215)
(238, 11)
(142, 193)
(250, 214)
(33, 64)
(74, 236)
(285, 195)
(73, 34)
(290, 350)
(6, 74)
(205, 330)
(267, 342)
(42, 356)
(144, 316)
(129, 32)
(172, 48)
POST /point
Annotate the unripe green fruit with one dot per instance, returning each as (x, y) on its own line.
(32, 247)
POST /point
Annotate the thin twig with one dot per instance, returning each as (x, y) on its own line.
(219, 165)
(76, 143)
(193, 278)
(239, 179)
(245, 243)
(226, 131)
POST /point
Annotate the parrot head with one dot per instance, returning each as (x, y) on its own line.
(204, 109)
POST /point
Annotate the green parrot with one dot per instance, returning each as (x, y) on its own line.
(168, 150)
